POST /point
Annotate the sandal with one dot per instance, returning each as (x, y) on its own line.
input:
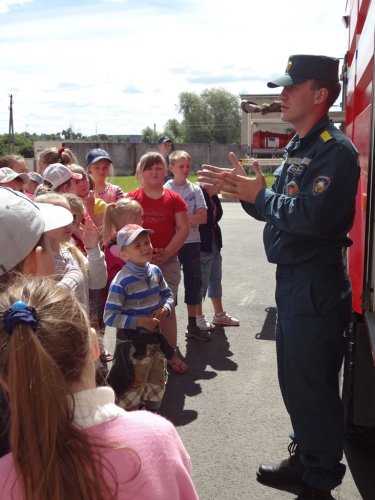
(176, 365)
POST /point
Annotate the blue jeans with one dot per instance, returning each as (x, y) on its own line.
(211, 266)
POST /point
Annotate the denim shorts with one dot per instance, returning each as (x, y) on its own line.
(190, 260)
(211, 266)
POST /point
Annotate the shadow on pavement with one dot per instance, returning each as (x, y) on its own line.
(200, 357)
(269, 325)
(361, 461)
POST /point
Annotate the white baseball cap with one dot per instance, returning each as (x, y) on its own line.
(8, 174)
(22, 224)
(57, 173)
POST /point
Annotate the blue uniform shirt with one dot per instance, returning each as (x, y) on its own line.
(310, 207)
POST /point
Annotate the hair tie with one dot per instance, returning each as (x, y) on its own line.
(61, 150)
(19, 313)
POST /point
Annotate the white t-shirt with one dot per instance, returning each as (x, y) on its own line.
(194, 198)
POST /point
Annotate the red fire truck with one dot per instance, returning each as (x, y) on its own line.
(359, 105)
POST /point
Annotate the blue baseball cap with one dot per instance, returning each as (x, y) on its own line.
(163, 139)
(129, 233)
(97, 154)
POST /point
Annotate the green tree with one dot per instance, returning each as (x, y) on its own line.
(173, 129)
(212, 116)
(149, 135)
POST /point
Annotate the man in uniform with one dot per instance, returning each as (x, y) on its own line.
(308, 212)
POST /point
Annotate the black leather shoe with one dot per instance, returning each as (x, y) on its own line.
(289, 471)
(310, 493)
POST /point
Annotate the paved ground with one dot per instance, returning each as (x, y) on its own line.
(228, 409)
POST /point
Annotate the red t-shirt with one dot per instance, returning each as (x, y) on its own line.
(159, 214)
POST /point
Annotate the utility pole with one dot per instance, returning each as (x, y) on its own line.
(11, 127)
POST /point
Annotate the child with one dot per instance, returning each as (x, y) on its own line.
(15, 162)
(189, 253)
(60, 178)
(211, 262)
(95, 207)
(117, 215)
(138, 302)
(99, 164)
(68, 438)
(55, 155)
(165, 212)
(74, 270)
(25, 250)
(35, 180)
(12, 179)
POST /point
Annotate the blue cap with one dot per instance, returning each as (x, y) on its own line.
(302, 67)
(163, 139)
(97, 154)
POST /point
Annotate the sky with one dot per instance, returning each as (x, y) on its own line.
(118, 66)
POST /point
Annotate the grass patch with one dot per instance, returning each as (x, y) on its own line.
(129, 182)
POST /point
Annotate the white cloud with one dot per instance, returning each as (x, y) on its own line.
(120, 67)
(5, 5)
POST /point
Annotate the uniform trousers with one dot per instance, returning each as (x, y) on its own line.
(313, 310)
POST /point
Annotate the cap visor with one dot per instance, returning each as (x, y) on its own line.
(101, 158)
(54, 216)
(282, 81)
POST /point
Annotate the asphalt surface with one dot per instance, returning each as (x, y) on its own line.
(228, 408)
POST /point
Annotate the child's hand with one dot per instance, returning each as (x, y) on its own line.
(161, 313)
(90, 203)
(151, 324)
(90, 234)
(157, 256)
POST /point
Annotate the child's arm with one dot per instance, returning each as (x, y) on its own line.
(166, 295)
(199, 217)
(97, 268)
(200, 212)
(182, 232)
(115, 306)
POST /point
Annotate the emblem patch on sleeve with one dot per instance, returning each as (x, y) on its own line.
(291, 189)
(321, 183)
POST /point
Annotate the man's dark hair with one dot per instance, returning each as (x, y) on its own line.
(334, 89)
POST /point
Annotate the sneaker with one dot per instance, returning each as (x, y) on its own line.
(203, 324)
(193, 332)
(225, 319)
(310, 493)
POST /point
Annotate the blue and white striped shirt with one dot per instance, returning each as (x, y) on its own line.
(134, 292)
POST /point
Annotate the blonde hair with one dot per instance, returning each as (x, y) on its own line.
(55, 155)
(122, 207)
(75, 203)
(74, 167)
(54, 458)
(63, 201)
(148, 160)
(12, 161)
(177, 155)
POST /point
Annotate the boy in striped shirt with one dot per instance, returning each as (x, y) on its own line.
(138, 302)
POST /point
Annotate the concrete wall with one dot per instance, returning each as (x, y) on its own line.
(126, 156)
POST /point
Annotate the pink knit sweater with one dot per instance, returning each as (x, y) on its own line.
(147, 456)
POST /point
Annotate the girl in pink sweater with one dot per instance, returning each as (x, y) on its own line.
(68, 438)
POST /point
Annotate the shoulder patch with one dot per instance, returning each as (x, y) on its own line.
(321, 183)
(291, 189)
(326, 136)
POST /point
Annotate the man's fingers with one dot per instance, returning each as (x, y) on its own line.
(257, 169)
